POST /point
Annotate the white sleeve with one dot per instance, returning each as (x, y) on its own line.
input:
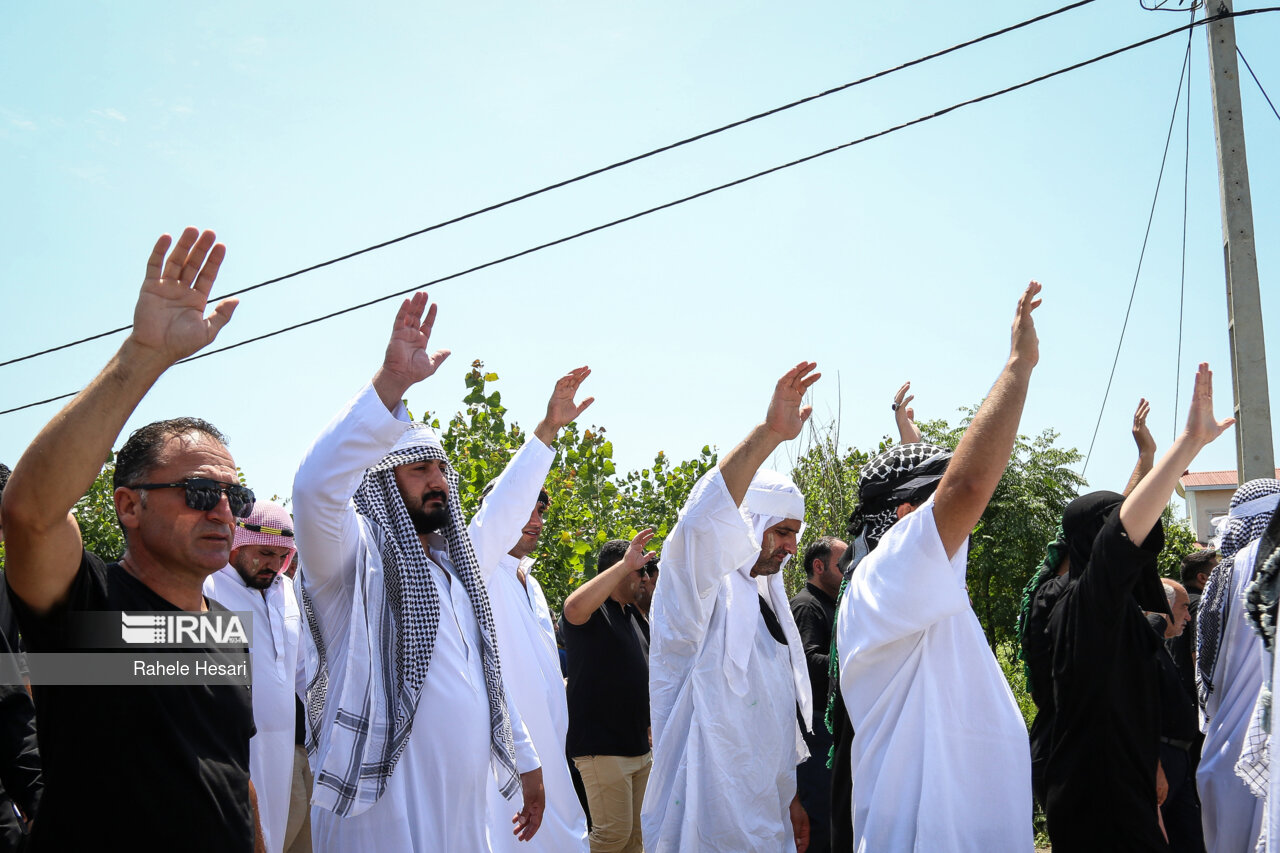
(326, 527)
(905, 585)
(526, 756)
(711, 539)
(496, 526)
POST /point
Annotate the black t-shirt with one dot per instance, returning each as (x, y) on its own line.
(815, 613)
(608, 688)
(142, 767)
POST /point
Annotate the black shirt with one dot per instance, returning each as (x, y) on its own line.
(608, 688)
(1105, 741)
(141, 767)
(815, 613)
(1179, 717)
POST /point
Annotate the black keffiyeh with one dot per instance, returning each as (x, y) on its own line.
(408, 616)
(1242, 527)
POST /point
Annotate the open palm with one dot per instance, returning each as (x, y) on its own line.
(169, 317)
(407, 355)
(786, 416)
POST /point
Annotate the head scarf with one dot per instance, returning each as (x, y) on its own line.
(274, 521)
(905, 473)
(1084, 519)
(402, 618)
(1054, 553)
(1252, 506)
(771, 499)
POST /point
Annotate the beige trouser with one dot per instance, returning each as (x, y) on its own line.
(297, 833)
(615, 790)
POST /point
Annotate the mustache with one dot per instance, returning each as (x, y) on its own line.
(435, 495)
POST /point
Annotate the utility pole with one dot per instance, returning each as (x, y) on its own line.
(1254, 454)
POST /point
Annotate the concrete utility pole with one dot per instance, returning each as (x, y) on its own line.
(1254, 454)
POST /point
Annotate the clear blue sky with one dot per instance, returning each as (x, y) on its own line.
(301, 131)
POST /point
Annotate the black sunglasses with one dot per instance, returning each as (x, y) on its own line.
(203, 494)
(259, 528)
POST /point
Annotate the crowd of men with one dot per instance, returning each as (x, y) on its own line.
(409, 692)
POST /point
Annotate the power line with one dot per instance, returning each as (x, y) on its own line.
(1259, 82)
(1186, 59)
(920, 120)
(594, 172)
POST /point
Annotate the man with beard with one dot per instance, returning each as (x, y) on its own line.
(939, 760)
(1105, 736)
(726, 666)
(254, 582)
(516, 501)
(407, 714)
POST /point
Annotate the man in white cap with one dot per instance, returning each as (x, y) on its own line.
(726, 664)
(407, 715)
(254, 582)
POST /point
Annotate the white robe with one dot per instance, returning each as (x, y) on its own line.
(1230, 813)
(274, 656)
(724, 764)
(530, 659)
(941, 759)
(436, 797)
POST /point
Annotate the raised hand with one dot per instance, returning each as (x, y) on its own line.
(1141, 433)
(407, 361)
(1202, 427)
(904, 415)
(1026, 346)
(561, 409)
(786, 416)
(637, 557)
(169, 317)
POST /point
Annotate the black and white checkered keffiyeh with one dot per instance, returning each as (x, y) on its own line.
(406, 620)
(899, 474)
(1251, 509)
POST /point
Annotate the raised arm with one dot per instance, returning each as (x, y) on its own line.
(169, 323)
(586, 599)
(782, 422)
(905, 416)
(406, 362)
(980, 459)
(1146, 446)
(496, 527)
(1143, 507)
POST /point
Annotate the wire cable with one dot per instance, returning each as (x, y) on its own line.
(911, 123)
(591, 174)
(1186, 59)
(1259, 82)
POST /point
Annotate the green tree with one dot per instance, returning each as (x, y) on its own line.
(590, 501)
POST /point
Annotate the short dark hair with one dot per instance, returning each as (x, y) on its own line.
(135, 460)
(611, 553)
(1198, 562)
(820, 549)
(4, 478)
(543, 498)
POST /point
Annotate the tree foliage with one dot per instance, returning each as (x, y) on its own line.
(591, 502)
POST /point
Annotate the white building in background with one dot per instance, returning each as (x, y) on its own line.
(1208, 496)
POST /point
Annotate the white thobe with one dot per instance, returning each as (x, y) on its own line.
(1230, 813)
(435, 799)
(941, 759)
(530, 660)
(274, 656)
(724, 765)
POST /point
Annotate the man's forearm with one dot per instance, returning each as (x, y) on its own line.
(586, 599)
(740, 465)
(1140, 470)
(65, 457)
(981, 457)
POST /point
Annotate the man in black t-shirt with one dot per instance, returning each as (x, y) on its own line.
(137, 767)
(607, 639)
